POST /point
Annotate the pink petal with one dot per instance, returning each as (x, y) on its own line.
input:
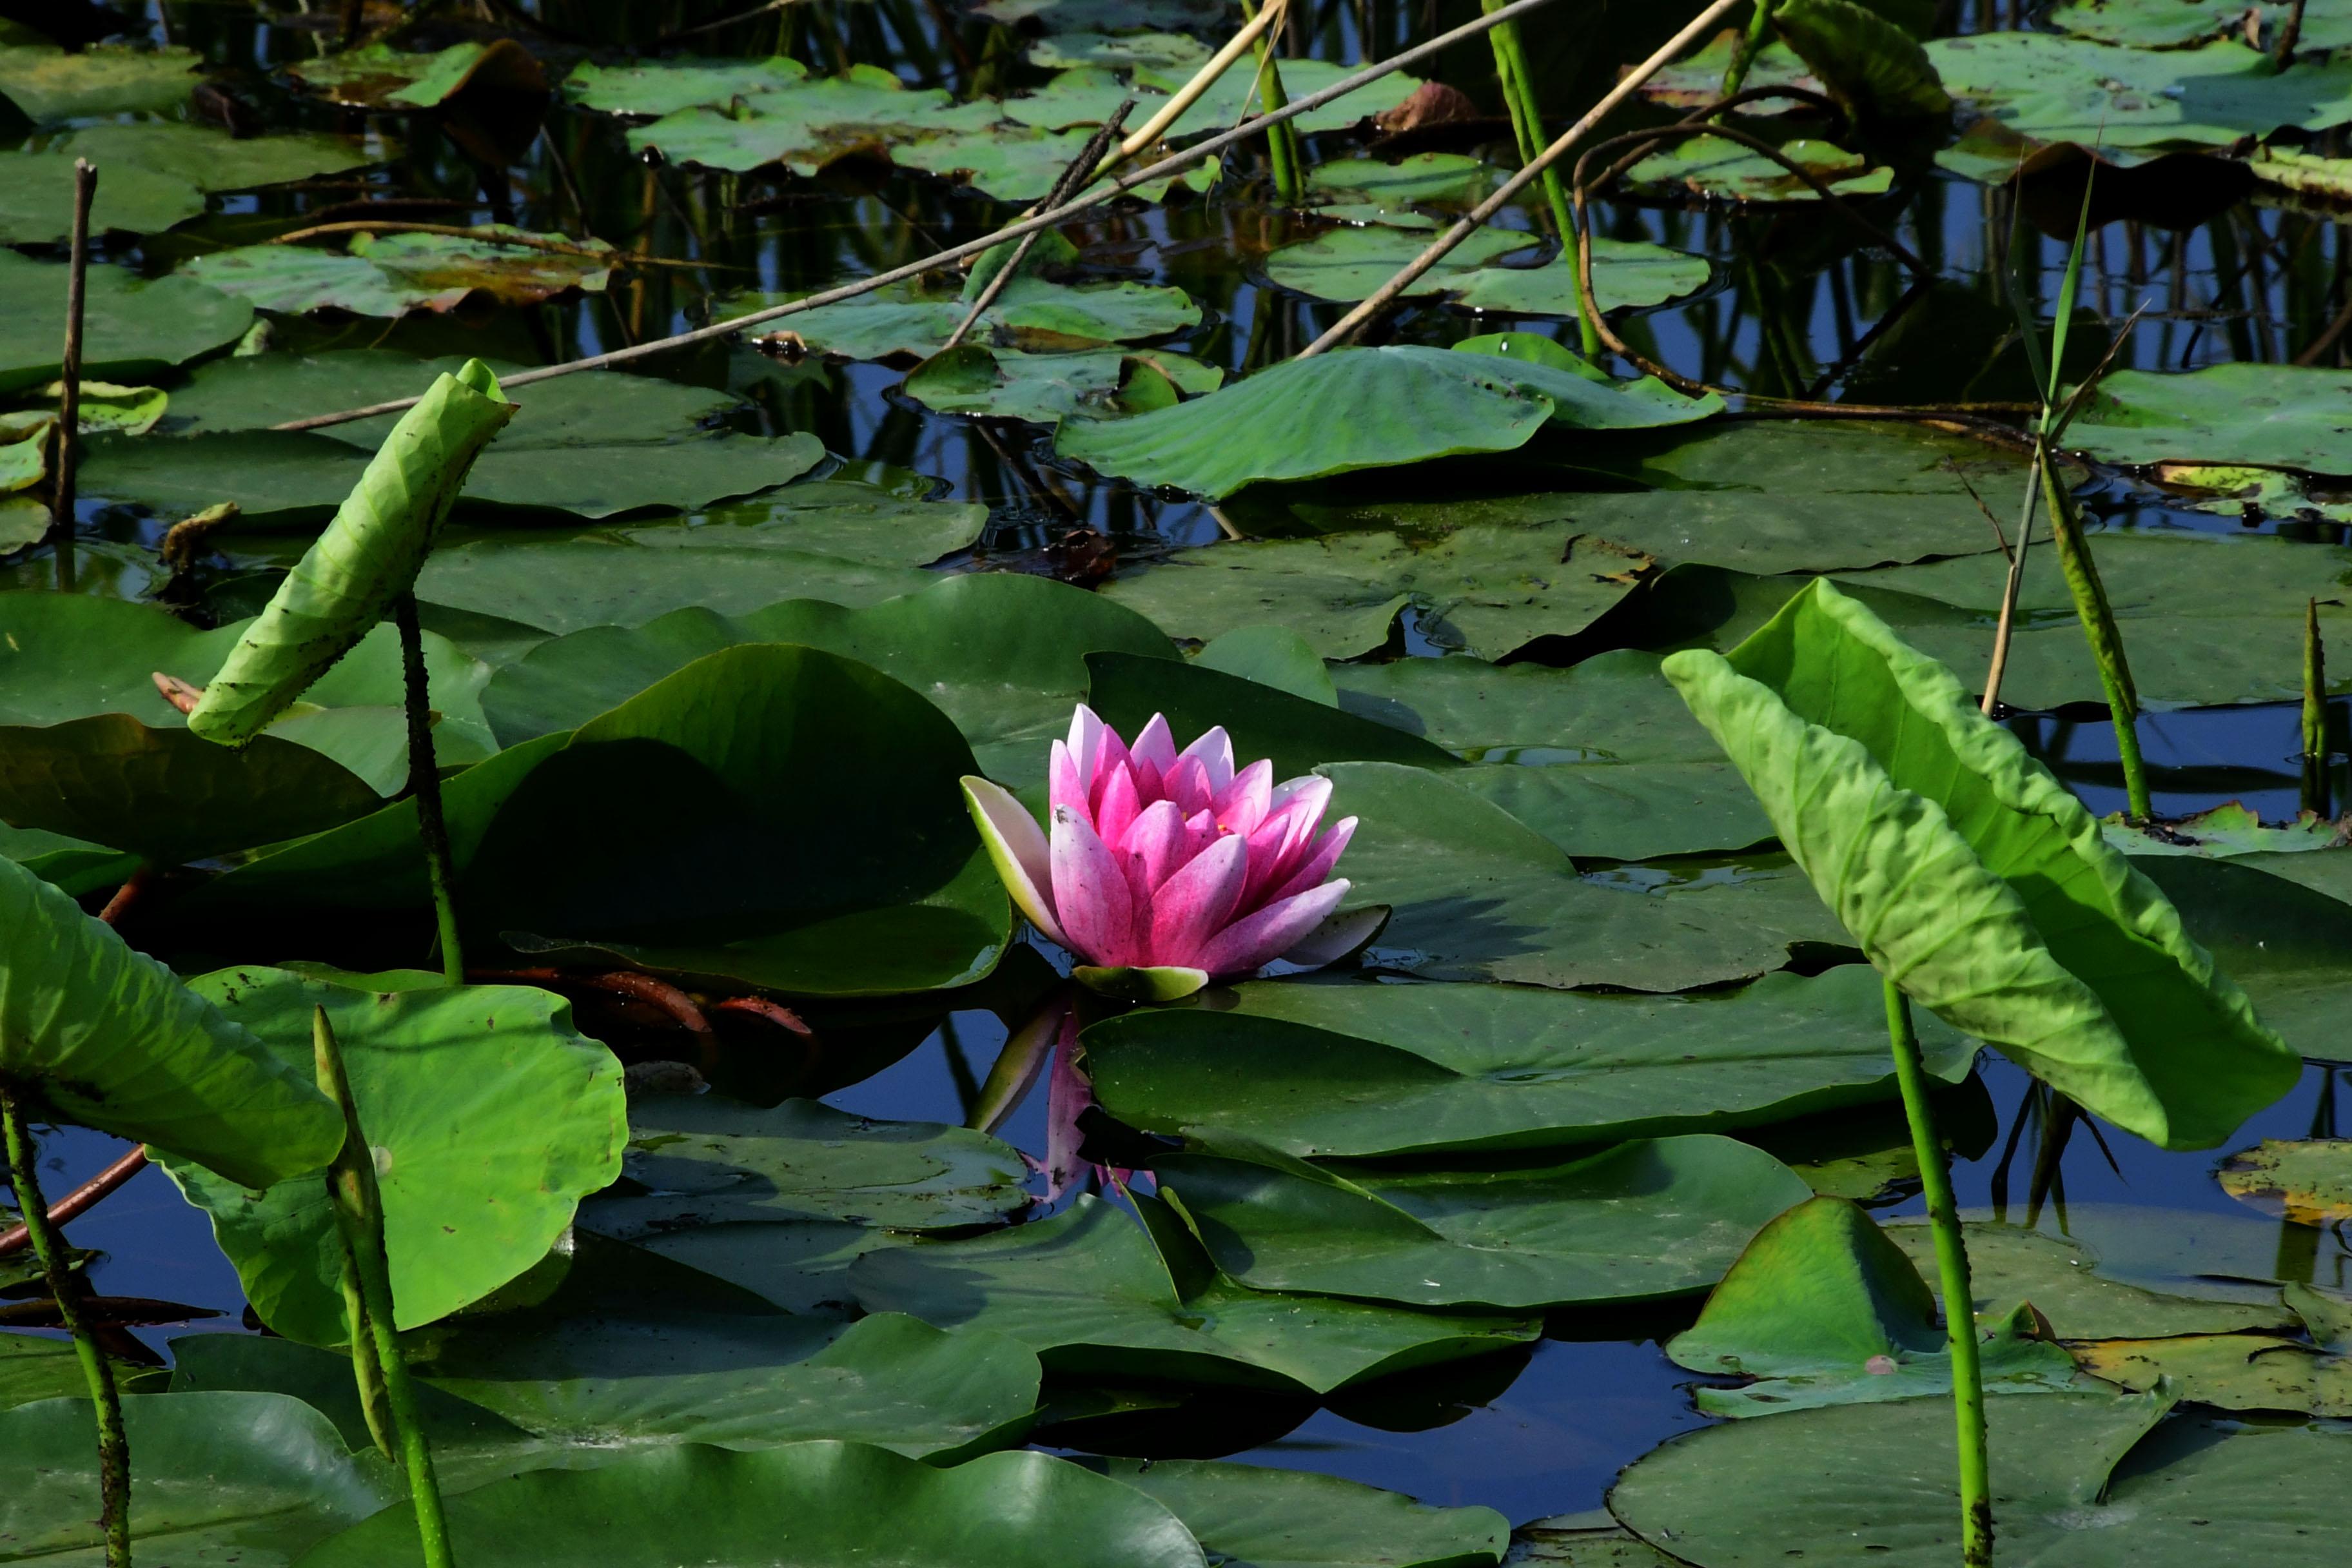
(1278, 845)
(1242, 804)
(1318, 863)
(1065, 784)
(1154, 746)
(1214, 751)
(1095, 749)
(1118, 806)
(1188, 786)
(1255, 941)
(1196, 902)
(1090, 893)
(1017, 848)
(1158, 843)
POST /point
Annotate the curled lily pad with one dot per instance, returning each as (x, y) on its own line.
(1874, 765)
(380, 76)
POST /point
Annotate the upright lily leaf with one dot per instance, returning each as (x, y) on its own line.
(489, 1117)
(1876, 68)
(367, 557)
(110, 1038)
(1972, 878)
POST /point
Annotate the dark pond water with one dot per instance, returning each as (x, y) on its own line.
(1790, 310)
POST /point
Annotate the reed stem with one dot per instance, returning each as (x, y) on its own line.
(1952, 1274)
(1282, 149)
(1526, 125)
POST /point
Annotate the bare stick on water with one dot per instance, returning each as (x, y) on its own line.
(1072, 179)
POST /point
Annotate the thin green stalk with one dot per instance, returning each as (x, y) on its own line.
(1750, 45)
(358, 1214)
(424, 784)
(375, 1405)
(113, 1447)
(1282, 148)
(2315, 714)
(2098, 620)
(1518, 82)
(1952, 1273)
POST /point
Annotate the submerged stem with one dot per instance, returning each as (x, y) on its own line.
(359, 1215)
(2082, 574)
(113, 1447)
(1952, 1272)
(424, 784)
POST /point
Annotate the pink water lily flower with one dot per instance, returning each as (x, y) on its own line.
(1174, 861)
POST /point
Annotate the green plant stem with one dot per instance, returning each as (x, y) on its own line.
(359, 1215)
(113, 1447)
(424, 784)
(1952, 1271)
(2315, 714)
(1282, 148)
(1518, 83)
(375, 1403)
(2098, 620)
(1750, 44)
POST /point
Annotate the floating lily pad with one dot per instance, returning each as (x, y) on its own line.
(133, 327)
(1714, 166)
(2080, 1478)
(694, 1162)
(2224, 832)
(1002, 655)
(2310, 1180)
(251, 1479)
(490, 1118)
(2168, 24)
(1031, 314)
(392, 274)
(2060, 1276)
(1589, 1540)
(36, 199)
(1644, 1221)
(1094, 1294)
(2133, 103)
(33, 1368)
(1823, 1309)
(827, 1505)
(1697, 79)
(214, 160)
(1102, 384)
(2262, 416)
(1090, 16)
(1299, 1520)
(380, 76)
(2280, 927)
(1381, 1071)
(1478, 895)
(808, 125)
(2244, 1372)
(665, 86)
(52, 86)
(1388, 192)
(1349, 263)
(1120, 50)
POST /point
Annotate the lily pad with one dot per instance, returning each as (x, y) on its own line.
(2262, 416)
(393, 274)
(2080, 1478)
(1003, 655)
(810, 124)
(133, 327)
(2169, 24)
(378, 76)
(490, 1118)
(36, 199)
(1349, 263)
(2310, 1180)
(2244, 1372)
(1033, 314)
(53, 86)
(1095, 1295)
(1641, 1222)
(1295, 1518)
(1006, 384)
(2280, 925)
(1358, 408)
(32, 1368)
(1387, 1071)
(2060, 1276)
(806, 835)
(1823, 1309)
(1714, 166)
(825, 1505)
(693, 1161)
(214, 160)
(251, 1479)
(665, 86)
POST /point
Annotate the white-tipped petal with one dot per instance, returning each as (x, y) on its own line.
(1018, 848)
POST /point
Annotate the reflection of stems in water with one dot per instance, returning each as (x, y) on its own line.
(960, 1072)
(1952, 1271)
(359, 1216)
(425, 783)
(65, 1287)
(2082, 574)
(2048, 1184)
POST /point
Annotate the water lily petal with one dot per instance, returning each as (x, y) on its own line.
(1090, 893)
(1337, 937)
(1153, 753)
(1160, 843)
(1188, 786)
(1255, 941)
(1065, 785)
(1197, 902)
(1214, 751)
(1017, 848)
(1242, 804)
(1095, 749)
(1118, 807)
(1320, 861)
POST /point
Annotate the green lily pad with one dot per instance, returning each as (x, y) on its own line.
(322, 1379)
(2244, 1372)
(665, 86)
(250, 1478)
(1589, 1540)
(392, 274)
(1095, 1295)
(1641, 1222)
(2078, 1479)
(808, 125)
(1358, 408)
(1006, 384)
(2060, 1276)
(133, 327)
(1298, 1519)
(1349, 263)
(825, 1505)
(33, 1369)
(1388, 192)
(1823, 1309)
(2310, 1180)
(1697, 79)
(1003, 655)
(1714, 166)
(490, 1118)
(214, 160)
(2222, 833)
(2132, 104)
(807, 834)
(1867, 57)
(52, 86)
(693, 1161)
(2281, 926)
(36, 199)
(1387, 1071)
(1881, 777)
(1478, 895)
(1271, 656)
(2262, 416)
(1490, 589)
(800, 1266)
(2169, 24)
(1031, 314)
(1295, 733)
(378, 76)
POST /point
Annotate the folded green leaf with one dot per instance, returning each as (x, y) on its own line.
(1973, 880)
(368, 556)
